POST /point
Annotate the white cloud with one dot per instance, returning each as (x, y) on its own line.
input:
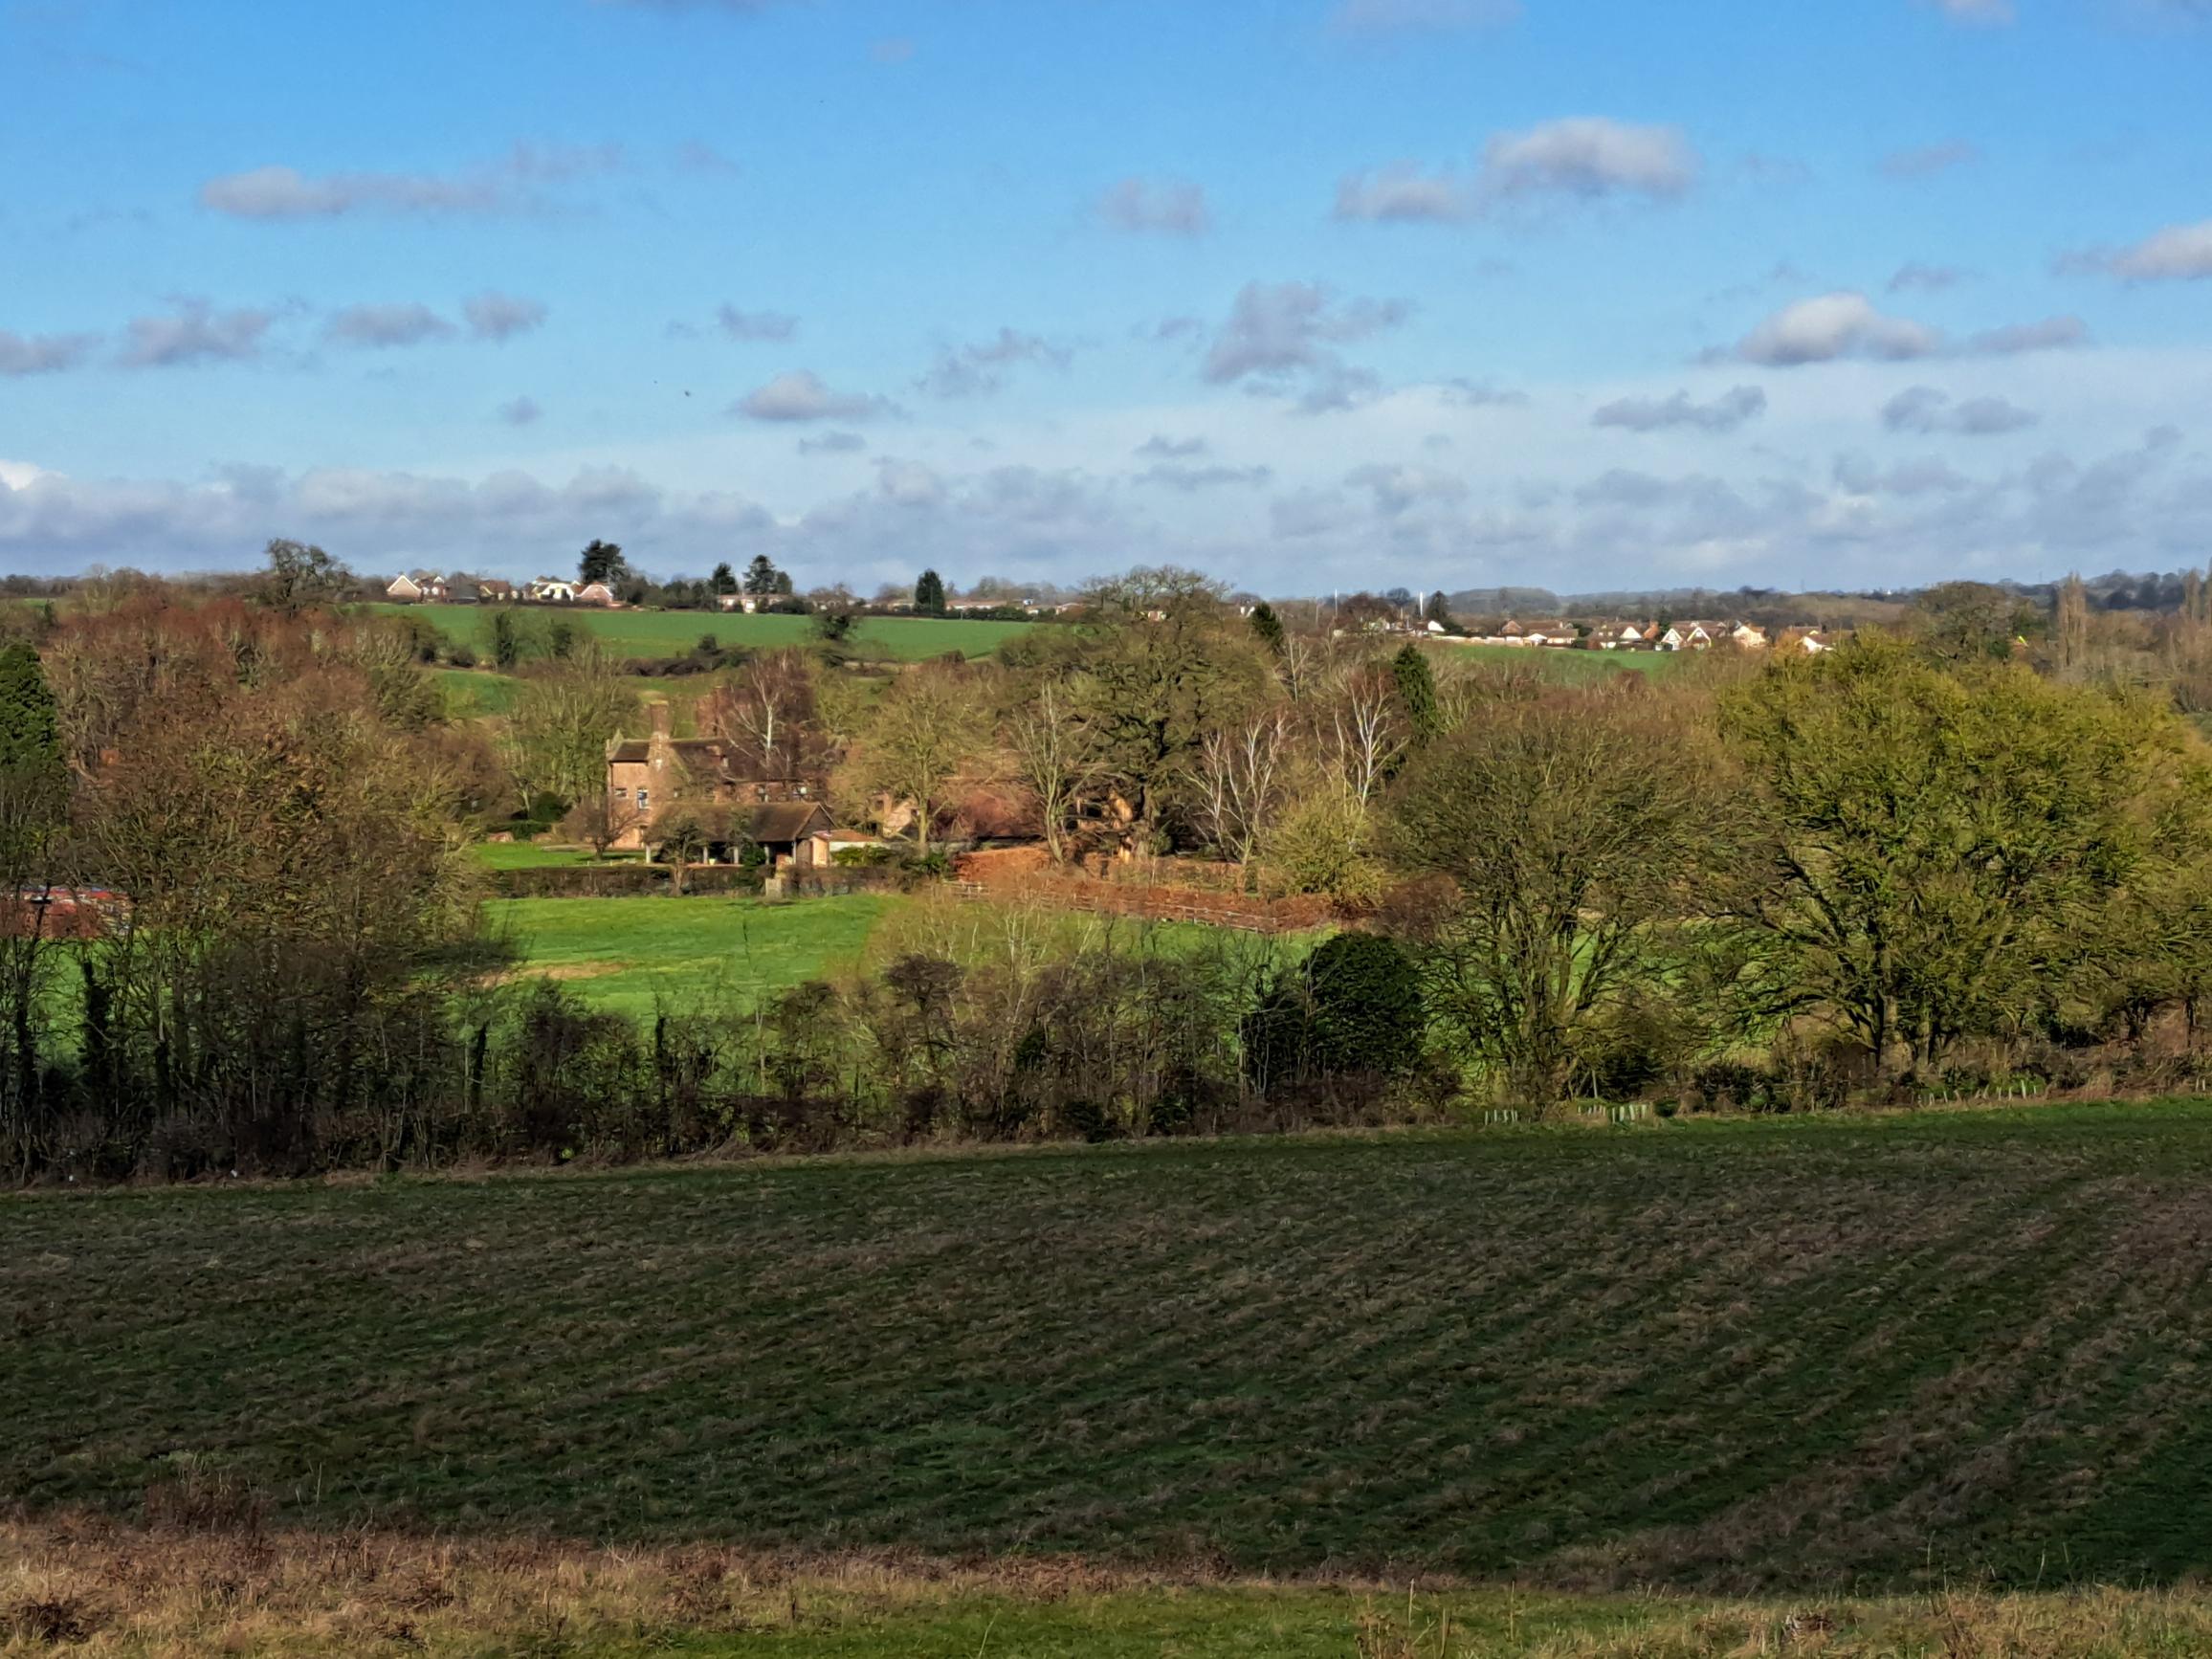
(800, 395)
(380, 327)
(1724, 413)
(196, 332)
(1923, 409)
(277, 192)
(2179, 253)
(1589, 156)
(1281, 332)
(1403, 193)
(1832, 326)
(494, 316)
(22, 354)
(1164, 207)
(2051, 334)
(981, 369)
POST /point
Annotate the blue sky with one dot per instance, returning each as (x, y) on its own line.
(1308, 293)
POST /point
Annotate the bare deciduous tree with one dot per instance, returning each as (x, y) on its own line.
(924, 731)
(1239, 780)
(1367, 732)
(1054, 759)
(767, 709)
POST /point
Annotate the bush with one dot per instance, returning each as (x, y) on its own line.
(1355, 1006)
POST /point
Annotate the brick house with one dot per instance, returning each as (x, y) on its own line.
(783, 816)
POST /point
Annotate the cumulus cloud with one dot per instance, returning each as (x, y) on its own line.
(1925, 161)
(1371, 18)
(522, 413)
(1724, 413)
(22, 354)
(980, 368)
(1832, 326)
(1282, 333)
(1164, 207)
(1923, 409)
(377, 327)
(1590, 156)
(1586, 157)
(277, 192)
(194, 332)
(1401, 193)
(2179, 253)
(800, 395)
(493, 315)
(756, 324)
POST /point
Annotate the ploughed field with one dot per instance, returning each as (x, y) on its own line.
(1769, 1357)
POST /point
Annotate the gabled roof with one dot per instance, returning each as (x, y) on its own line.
(787, 820)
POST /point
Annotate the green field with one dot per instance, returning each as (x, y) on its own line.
(1770, 1356)
(630, 955)
(643, 633)
(1567, 666)
(474, 691)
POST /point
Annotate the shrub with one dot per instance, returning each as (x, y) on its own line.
(1354, 1006)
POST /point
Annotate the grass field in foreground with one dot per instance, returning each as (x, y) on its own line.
(169, 1592)
(1731, 1357)
(673, 632)
(627, 954)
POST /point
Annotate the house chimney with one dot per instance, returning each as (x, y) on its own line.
(660, 716)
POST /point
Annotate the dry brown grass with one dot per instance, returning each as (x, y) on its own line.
(92, 1585)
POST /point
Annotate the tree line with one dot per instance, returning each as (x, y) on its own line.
(1941, 856)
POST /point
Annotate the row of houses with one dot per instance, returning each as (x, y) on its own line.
(430, 588)
(1664, 636)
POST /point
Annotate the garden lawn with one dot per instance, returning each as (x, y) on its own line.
(629, 955)
(1773, 1357)
(528, 856)
(653, 633)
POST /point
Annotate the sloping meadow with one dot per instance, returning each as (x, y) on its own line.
(1736, 1357)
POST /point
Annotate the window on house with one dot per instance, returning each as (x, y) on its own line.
(642, 797)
